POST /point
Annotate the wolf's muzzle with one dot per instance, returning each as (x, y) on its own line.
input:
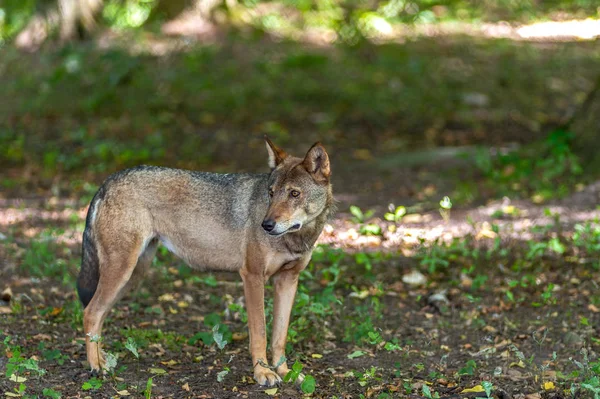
(268, 225)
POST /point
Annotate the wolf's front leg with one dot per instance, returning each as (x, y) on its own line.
(254, 291)
(286, 284)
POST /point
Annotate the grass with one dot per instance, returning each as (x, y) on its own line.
(200, 106)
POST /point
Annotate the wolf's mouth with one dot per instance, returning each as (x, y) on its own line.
(292, 229)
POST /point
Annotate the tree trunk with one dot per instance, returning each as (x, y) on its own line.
(67, 16)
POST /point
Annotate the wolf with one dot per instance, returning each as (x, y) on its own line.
(259, 225)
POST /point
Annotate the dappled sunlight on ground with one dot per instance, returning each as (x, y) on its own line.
(575, 29)
(515, 220)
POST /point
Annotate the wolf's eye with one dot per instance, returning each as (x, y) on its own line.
(295, 193)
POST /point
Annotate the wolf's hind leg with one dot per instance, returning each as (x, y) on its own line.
(117, 264)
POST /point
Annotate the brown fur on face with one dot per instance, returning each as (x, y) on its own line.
(296, 189)
(212, 221)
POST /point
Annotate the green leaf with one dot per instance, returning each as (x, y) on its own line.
(132, 347)
(309, 384)
(111, 361)
(218, 337)
(356, 354)
(297, 367)
(93, 383)
(221, 375)
(357, 213)
(488, 386)
(157, 371)
(556, 246)
(51, 393)
(426, 391)
(148, 390)
(445, 203)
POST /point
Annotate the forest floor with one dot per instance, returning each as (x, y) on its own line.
(498, 291)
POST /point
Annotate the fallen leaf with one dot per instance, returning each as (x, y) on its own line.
(17, 378)
(517, 364)
(166, 298)
(414, 278)
(6, 295)
(476, 388)
(238, 336)
(271, 392)
(549, 386)
(158, 371)
(170, 363)
(124, 392)
(356, 354)
(186, 387)
(316, 356)
(56, 311)
(12, 395)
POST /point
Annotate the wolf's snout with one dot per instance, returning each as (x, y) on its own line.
(268, 224)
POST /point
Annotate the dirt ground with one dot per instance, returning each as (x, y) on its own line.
(517, 345)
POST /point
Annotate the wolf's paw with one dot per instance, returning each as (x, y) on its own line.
(267, 377)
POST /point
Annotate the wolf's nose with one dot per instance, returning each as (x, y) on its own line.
(268, 225)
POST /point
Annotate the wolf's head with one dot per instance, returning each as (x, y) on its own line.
(299, 189)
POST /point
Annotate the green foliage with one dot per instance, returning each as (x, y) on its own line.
(219, 334)
(469, 368)
(488, 387)
(131, 346)
(360, 216)
(51, 393)
(127, 14)
(93, 384)
(395, 214)
(542, 170)
(308, 384)
(41, 260)
(148, 390)
(218, 337)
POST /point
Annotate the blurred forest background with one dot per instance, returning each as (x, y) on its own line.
(463, 137)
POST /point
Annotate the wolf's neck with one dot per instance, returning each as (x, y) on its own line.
(303, 240)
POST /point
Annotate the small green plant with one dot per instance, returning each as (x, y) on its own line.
(93, 384)
(358, 216)
(487, 387)
(51, 393)
(18, 365)
(434, 257)
(469, 369)
(395, 214)
(308, 383)
(542, 170)
(148, 390)
(427, 392)
(370, 229)
(445, 207)
(367, 376)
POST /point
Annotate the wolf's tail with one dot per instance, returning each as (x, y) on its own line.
(87, 281)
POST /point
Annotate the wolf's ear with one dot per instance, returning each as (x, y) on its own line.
(276, 154)
(316, 162)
